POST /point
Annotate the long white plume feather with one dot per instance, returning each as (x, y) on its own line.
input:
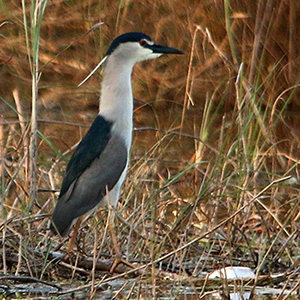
(95, 69)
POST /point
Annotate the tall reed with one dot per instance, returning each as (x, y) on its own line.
(32, 35)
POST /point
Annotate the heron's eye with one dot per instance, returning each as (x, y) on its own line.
(143, 43)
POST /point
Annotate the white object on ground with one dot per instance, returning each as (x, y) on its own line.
(233, 273)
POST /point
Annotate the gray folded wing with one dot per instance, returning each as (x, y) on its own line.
(95, 166)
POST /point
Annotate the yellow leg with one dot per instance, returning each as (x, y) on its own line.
(111, 227)
(74, 234)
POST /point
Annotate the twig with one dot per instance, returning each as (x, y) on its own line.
(22, 125)
(28, 279)
(187, 98)
(73, 43)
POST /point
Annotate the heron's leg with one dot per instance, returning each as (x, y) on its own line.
(112, 200)
(74, 234)
(111, 227)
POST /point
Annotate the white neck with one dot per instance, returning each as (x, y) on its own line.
(116, 100)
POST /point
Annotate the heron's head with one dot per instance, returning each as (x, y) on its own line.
(135, 46)
(130, 48)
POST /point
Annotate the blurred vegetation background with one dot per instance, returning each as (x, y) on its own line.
(229, 108)
(263, 36)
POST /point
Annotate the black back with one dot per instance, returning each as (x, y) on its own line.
(90, 147)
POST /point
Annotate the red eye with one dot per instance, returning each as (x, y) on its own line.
(143, 43)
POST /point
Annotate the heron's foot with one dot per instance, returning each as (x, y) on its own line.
(118, 260)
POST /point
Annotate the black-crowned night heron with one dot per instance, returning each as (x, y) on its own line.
(100, 162)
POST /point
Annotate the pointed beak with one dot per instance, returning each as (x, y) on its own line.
(163, 49)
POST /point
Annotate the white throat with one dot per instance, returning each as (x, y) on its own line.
(116, 100)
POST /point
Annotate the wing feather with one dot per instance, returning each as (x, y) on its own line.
(90, 147)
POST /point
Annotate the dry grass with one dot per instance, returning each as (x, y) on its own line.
(214, 128)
